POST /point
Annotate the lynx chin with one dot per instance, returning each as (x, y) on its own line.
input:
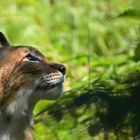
(26, 77)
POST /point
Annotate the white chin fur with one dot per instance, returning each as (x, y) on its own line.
(52, 93)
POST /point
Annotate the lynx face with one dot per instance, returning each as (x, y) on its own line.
(27, 76)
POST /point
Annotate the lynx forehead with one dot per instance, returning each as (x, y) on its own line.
(26, 76)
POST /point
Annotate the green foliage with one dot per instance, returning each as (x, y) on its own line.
(99, 43)
(132, 13)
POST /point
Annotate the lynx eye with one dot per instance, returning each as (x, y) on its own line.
(29, 57)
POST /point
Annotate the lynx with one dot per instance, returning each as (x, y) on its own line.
(26, 77)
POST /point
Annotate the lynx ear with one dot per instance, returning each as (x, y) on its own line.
(3, 41)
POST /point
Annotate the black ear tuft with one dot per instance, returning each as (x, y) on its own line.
(3, 41)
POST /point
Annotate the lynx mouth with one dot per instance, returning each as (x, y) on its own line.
(50, 81)
(49, 86)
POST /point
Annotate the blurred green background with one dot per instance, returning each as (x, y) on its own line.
(99, 43)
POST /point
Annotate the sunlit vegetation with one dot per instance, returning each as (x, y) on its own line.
(99, 42)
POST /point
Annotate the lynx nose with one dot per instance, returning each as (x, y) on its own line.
(62, 69)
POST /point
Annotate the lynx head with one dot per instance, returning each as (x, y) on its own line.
(27, 76)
